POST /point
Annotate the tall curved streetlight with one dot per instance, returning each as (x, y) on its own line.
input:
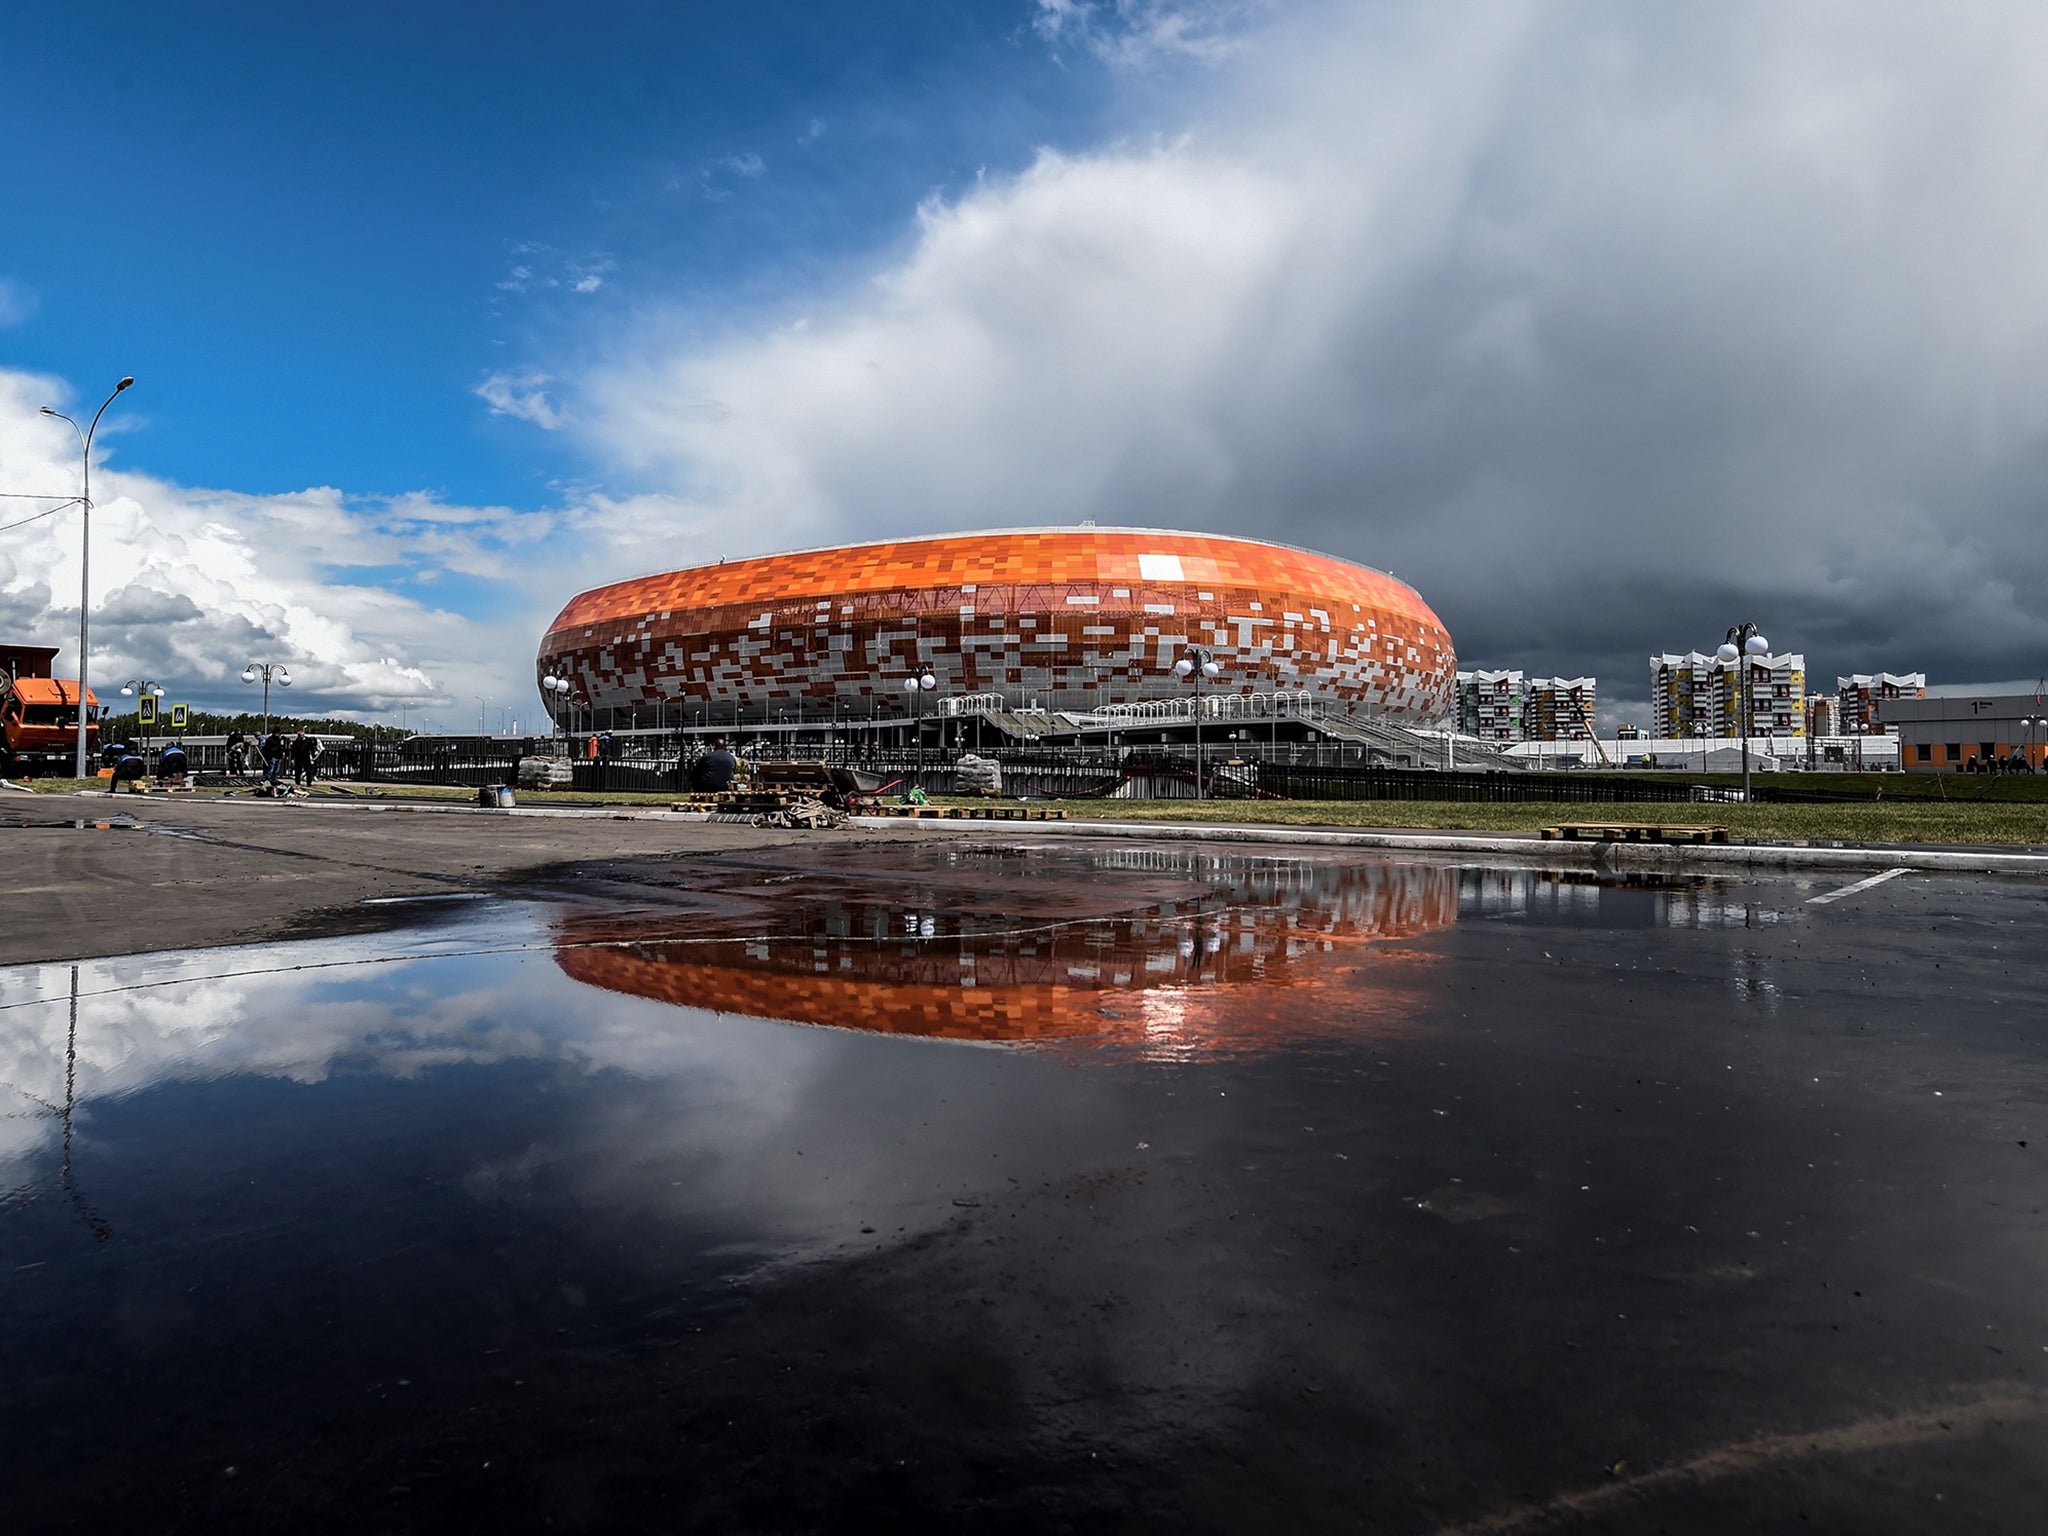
(1743, 642)
(1199, 666)
(916, 687)
(265, 671)
(85, 549)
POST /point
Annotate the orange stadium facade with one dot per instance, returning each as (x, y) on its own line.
(1063, 618)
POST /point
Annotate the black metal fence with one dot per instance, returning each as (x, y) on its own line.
(1287, 781)
(1150, 773)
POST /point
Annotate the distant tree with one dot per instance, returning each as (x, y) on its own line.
(200, 722)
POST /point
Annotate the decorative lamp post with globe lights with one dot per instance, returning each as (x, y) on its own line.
(562, 687)
(1199, 666)
(916, 688)
(1743, 642)
(264, 672)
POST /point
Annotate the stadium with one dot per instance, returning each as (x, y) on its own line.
(1035, 632)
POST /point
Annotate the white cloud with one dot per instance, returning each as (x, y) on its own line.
(1135, 33)
(17, 304)
(536, 268)
(1620, 317)
(747, 164)
(190, 583)
(520, 395)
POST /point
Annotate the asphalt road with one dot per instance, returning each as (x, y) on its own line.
(1364, 1194)
(92, 875)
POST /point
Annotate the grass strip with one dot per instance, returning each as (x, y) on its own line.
(2004, 824)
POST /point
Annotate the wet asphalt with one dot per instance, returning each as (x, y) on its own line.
(1093, 1189)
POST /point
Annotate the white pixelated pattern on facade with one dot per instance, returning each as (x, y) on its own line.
(1072, 619)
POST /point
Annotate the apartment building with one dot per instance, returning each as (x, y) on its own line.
(1823, 716)
(1862, 696)
(1695, 694)
(1685, 695)
(1558, 709)
(1490, 705)
(1777, 695)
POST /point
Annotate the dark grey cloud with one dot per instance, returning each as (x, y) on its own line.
(1607, 326)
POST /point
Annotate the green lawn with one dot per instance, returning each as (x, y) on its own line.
(1915, 821)
(2002, 788)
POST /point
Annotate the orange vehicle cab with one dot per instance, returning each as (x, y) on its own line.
(39, 722)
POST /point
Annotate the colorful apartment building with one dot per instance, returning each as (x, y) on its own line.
(1685, 695)
(1862, 696)
(1695, 694)
(1777, 696)
(1490, 704)
(1558, 709)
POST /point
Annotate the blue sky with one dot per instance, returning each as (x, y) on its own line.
(302, 225)
(1606, 326)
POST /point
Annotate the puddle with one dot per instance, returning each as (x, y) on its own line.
(407, 901)
(1222, 970)
(513, 1178)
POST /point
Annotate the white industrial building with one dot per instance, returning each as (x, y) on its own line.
(1715, 754)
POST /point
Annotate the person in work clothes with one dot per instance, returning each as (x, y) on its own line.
(273, 757)
(305, 753)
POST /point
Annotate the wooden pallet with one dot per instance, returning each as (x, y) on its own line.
(752, 802)
(1633, 832)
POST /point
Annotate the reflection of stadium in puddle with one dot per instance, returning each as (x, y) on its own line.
(1242, 966)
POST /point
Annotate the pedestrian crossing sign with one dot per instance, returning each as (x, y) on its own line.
(145, 710)
(180, 713)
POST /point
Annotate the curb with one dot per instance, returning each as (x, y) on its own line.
(1691, 856)
(1731, 857)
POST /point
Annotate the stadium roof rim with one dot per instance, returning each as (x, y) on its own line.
(986, 533)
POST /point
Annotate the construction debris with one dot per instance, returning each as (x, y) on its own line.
(808, 815)
(974, 775)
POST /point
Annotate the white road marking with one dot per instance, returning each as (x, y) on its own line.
(1860, 885)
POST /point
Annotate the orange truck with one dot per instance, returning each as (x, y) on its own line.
(39, 724)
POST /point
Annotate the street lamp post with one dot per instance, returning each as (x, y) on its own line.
(917, 687)
(561, 687)
(85, 550)
(265, 670)
(1198, 666)
(1743, 642)
(2027, 727)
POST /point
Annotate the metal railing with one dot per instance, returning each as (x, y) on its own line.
(1287, 770)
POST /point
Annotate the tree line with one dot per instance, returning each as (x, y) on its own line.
(200, 722)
